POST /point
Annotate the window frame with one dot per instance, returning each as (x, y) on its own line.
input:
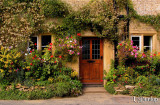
(140, 41)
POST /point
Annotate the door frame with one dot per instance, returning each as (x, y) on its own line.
(101, 53)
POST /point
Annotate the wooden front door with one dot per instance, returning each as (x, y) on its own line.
(91, 61)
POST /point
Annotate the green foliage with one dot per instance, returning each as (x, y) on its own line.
(76, 88)
(110, 88)
(62, 88)
(55, 8)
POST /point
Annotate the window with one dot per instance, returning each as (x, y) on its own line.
(33, 43)
(136, 41)
(147, 43)
(46, 39)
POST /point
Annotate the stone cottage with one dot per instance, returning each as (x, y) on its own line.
(97, 54)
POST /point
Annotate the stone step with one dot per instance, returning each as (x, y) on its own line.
(94, 90)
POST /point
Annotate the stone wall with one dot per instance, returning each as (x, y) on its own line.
(147, 7)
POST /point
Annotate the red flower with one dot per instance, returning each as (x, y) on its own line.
(154, 70)
(35, 56)
(32, 57)
(35, 44)
(28, 69)
(51, 56)
(60, 56)
(79, 34)
(71, 37)
(114, 80)
(102, 80)
(59, 71)
(50, 44)
(31, 64)
(154, 54)
(55, 62)
(30, 51)
(49, 49)
(120, 44)
(141, 68)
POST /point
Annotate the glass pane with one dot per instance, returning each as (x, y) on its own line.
(95, 49)
(46, 40)
(136, 41)
(147, 40)
(33, 42)
(86, 49)
(147, 49)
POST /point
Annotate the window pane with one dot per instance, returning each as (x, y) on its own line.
(95, 49)
(147, 43)
(147, 40)
(147, 49)
(46, 40)
(136, 41)
(86, 49)
(32, 45)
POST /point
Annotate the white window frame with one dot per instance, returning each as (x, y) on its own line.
(151, 42)
(140, 41)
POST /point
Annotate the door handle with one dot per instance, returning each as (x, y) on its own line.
(90, 61)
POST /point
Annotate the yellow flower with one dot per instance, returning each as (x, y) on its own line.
(28, 67)
(1, 70)
(10, 71)
(74, 74)
(38, 79)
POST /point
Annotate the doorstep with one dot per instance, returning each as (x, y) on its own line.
(89, 89)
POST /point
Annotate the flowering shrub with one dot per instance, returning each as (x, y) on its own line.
(9, 63)
(68, 48)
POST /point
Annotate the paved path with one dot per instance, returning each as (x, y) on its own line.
(85, 99)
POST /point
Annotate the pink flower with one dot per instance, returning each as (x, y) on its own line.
(78, 53)
(151, 56)
(132, 53)
(135, 56)
(67, 37)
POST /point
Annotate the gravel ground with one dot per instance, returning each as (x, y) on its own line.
(88, 99)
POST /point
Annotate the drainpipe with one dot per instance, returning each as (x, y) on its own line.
(115, 41)
(128, 21)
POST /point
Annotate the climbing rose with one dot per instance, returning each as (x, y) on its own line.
(35, 44)
(31, 64)
(51, 56)
(60, 56)
(50, 44)
(79, 34)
